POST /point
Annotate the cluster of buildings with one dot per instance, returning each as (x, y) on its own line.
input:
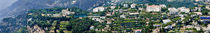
(177, 11)
(64, 12)
(167, 20)
(133, 11)
(35, 29)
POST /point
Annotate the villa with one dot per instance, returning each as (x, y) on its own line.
(183, 9)
(153, 8)
(97, 9)
(173, 11)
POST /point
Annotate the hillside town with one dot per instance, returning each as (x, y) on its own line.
(115, 16)
(124, 18)
(161, 17)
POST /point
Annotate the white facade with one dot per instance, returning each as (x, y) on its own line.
(122, 16)
(162, 5)
(112, 7)
(97, 9)
(166, 21)
(91, 27)
(183, 9)
(102, 17)
(134, 13)
(73, 2)
(66, 12)
(133, 5)
(189, 26)
(30, 19)
(97, 19)
(108, 14)
(198, 13)
(173, 10)
(153, 8)
(125, 5)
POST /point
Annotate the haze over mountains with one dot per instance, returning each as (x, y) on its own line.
(6, 3)
(24, 5)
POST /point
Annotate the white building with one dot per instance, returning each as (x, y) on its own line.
(66, 12)
(122, 16)
(108, 14)
(162, 5)
(197, 27)
(133, 5)
(73, 2)
(97, 9)
(189, 26)
(102, 17)
(30, 19)
(112, 7)
(91, 27)
(166, 21)
(168, 27)
(197, 9)
(97, 19)
(154, 8)
(198, 13)
(134, 13)
(125, 5)
(183, 9)
(173, 11)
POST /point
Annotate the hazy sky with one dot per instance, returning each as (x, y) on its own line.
(6, 3)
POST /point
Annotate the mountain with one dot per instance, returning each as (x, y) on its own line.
(6, 3)
(21, 6)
